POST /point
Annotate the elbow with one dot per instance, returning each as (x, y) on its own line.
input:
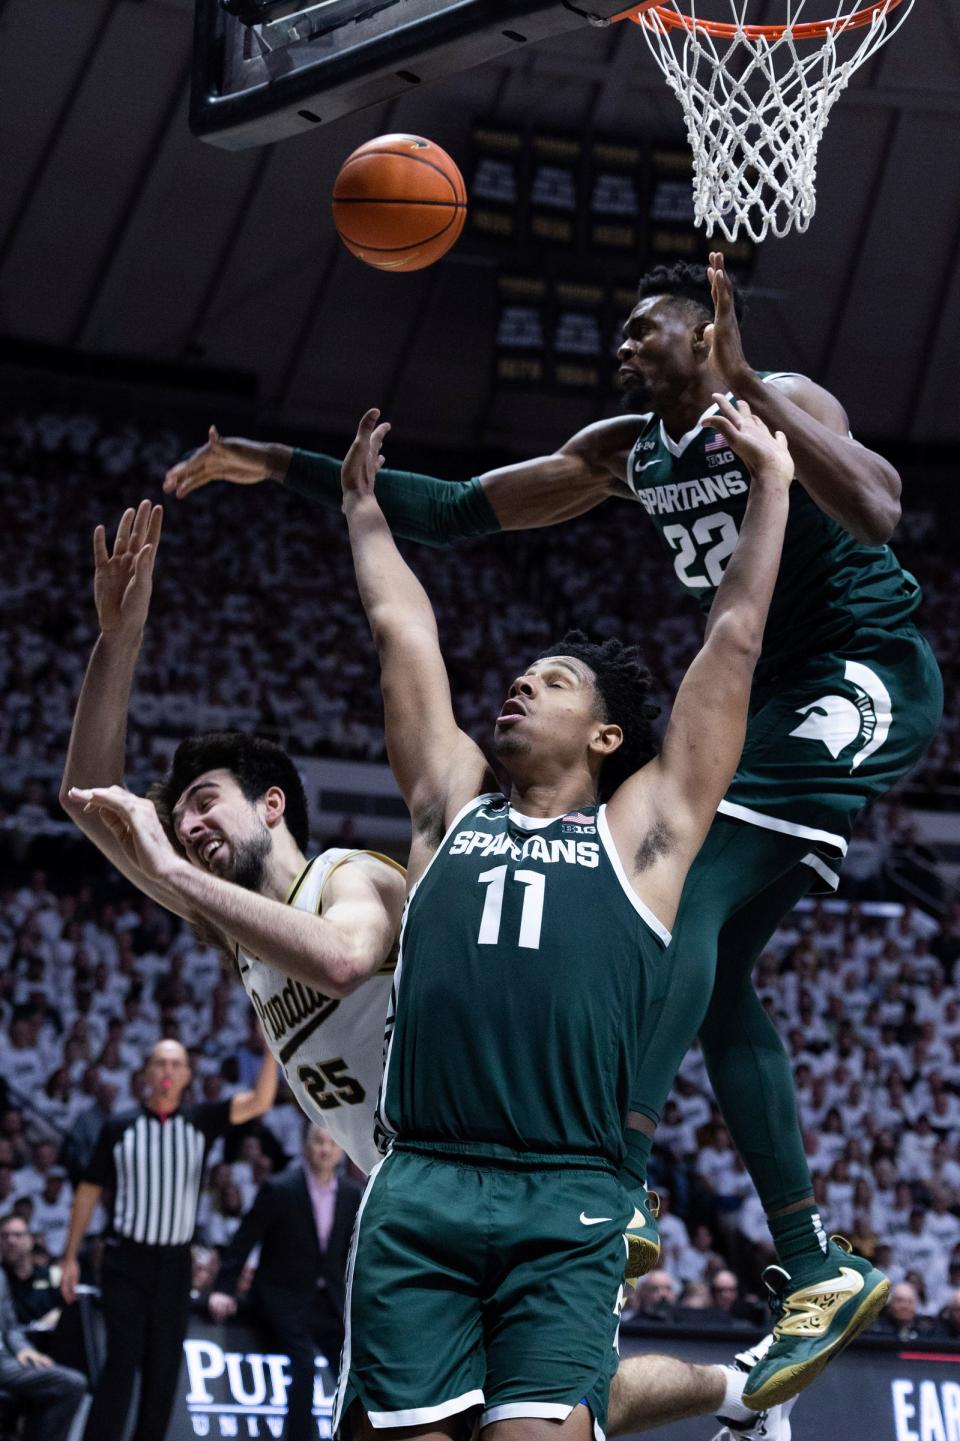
(878, 527)
(344, 975)
(740, 637)
(878, 517)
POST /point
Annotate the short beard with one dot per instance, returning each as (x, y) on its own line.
(510, 745)
(635, 398)
(250, 861)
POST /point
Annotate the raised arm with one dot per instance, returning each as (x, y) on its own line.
(539, 492)
(122, 585)
(437, 767)
(660, 816)
(251, 1105)
(855, 486)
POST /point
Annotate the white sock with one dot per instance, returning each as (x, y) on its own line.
(733, 1408)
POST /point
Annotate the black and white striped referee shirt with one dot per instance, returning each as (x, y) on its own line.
(154, 1167)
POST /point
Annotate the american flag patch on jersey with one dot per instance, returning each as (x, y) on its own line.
(718, 442)
(577, 818)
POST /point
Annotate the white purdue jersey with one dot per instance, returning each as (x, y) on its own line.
(330, 1050)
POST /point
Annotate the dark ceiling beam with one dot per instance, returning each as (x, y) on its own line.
(932, 332)
(32, 184)
(419, 319)
(834, 328)
(194, 330)
(312, 309)
(128, 211)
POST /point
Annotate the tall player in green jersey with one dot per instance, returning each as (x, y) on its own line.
(846, 699)
(488, 1252)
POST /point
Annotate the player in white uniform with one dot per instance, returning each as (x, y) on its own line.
(331, 1052)
(313, 940)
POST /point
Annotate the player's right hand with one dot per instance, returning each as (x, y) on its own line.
(243, 462)
(69, 1277)
(123, 577)
(221, 1306)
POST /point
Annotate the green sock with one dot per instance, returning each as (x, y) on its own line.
(800, 1240)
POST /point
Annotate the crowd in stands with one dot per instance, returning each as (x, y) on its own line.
(267, 634)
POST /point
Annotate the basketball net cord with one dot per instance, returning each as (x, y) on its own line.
(756, 108)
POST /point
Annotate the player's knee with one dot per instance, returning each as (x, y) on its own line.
(578, 1426)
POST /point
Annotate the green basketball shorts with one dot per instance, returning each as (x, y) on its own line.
(489, 1287)
(833, 734)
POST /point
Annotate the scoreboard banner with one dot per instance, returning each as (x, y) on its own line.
(233, 1384)
(869, 1393)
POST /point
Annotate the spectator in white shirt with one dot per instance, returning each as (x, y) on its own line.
(700, 1261)
(899, 1213)
(916, 1150)
(941, 1223)
(31, 1179)
(51, 1211)
(839, 1196)
(945, 1170)
(226, 1216)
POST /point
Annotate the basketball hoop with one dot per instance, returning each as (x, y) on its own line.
(756, 100)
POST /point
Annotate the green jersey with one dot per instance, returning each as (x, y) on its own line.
(527, 963)
(695, 491)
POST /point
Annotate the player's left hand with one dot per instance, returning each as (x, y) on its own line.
(766, 453)
(363, 459)
(134, 822)
(723, 335)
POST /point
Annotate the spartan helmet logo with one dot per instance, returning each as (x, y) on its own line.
(839, 720)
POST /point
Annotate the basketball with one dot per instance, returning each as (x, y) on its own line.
(399, 202)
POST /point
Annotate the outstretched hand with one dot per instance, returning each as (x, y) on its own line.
(766, 454)
(133, 821)
(243, 462)
(123, 577)
(723, 334)
(363, 459)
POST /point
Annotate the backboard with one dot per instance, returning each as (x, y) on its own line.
(268, 69)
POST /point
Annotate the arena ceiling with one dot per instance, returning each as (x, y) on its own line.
(122, 234)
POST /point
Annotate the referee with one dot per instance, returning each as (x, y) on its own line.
(151, 1158)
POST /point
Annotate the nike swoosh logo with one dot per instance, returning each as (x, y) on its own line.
(586, 1220)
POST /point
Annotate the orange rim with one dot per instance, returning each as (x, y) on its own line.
(722, 29)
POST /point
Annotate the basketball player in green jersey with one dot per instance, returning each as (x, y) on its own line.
(847, 697)
(489, 1248)
(217, 822)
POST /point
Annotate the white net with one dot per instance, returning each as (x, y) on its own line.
(756, 106)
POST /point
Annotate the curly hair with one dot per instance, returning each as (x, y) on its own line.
(255, 764)
(688, 285)
(623, 683)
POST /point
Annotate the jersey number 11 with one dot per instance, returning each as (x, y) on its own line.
(531, 917)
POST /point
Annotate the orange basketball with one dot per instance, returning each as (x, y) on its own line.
(399, 202)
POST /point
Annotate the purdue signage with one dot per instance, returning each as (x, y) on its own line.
(232, 1385)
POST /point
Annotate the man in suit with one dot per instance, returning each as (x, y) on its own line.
(302, 1220)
